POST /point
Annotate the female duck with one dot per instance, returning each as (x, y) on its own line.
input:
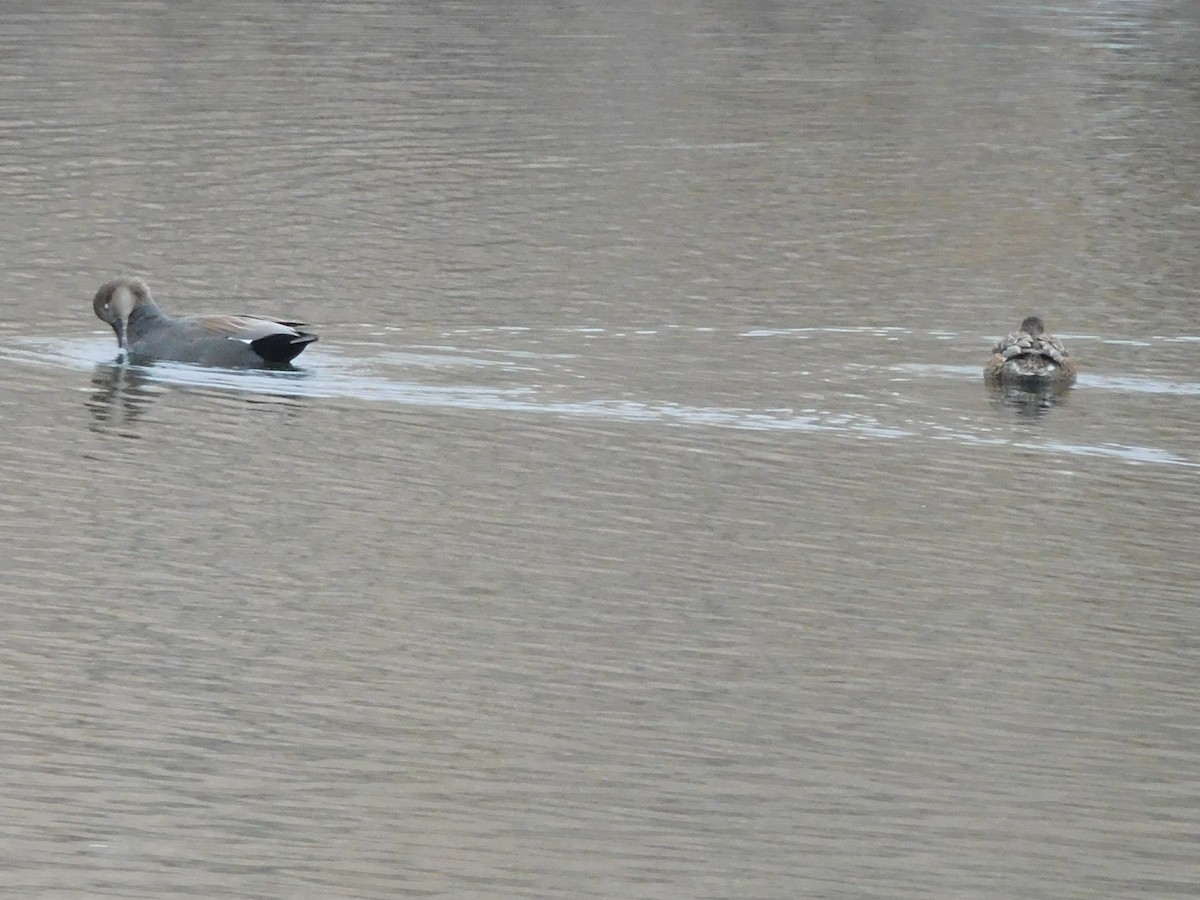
(1029, 358)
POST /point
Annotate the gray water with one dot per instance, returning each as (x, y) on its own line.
(641, 525)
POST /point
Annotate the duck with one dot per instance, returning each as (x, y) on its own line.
(145, 332)
(1030, 358)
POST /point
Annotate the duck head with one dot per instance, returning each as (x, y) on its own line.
(116, 301)
(1033, 326)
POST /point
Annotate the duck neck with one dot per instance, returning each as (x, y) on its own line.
(143, 317)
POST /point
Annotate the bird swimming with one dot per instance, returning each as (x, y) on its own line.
(145, 332)
(1030, 358)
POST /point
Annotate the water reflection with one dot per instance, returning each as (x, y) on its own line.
(122, 395)
(1026, 402)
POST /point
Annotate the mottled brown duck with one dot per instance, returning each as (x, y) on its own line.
(1031, 359)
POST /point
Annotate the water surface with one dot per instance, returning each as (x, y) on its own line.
(640, 526)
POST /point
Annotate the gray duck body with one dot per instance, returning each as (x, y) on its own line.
(147, 333)
(1030, 358)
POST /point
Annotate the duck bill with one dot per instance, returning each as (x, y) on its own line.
(122, 340)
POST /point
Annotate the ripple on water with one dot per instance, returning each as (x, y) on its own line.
(326, 373)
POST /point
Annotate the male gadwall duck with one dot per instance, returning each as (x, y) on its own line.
(1030, 358)
(146, 332)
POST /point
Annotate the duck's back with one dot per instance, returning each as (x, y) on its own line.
(219, 340)
(1021, 356)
